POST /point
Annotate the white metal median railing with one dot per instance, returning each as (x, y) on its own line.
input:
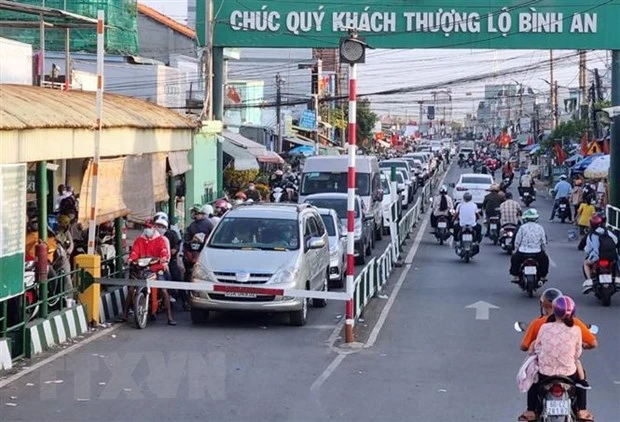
(613, 217)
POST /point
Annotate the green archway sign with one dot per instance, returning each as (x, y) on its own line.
(497, 24)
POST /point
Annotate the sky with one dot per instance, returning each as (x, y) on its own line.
(393, 69)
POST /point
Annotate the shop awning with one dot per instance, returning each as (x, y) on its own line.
(257, 150)
(297, 140)
(179, 163)
(244, 160)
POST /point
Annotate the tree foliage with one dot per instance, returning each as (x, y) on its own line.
(572, 129)
(366, 119)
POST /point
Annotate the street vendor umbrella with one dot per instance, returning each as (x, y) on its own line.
(598, 169)
(302, 150)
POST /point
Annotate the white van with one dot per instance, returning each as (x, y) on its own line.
(325, 174)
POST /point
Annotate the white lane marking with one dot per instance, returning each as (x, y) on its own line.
(408, 264)
(327, 372)
(58, 355)
(617, 382)
(319, 327)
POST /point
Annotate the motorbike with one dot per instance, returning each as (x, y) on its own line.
(493, 223)
(563, 209)
(462, 162)
(442, 232)
(527, 197)
(141, 270)
(506, 237)
(603, 281)
(557, 393)
(470, 162)
(529, 280)
(465, 248)
(31, 293)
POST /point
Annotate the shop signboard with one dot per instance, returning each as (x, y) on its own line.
(465, 24)
(12, 229)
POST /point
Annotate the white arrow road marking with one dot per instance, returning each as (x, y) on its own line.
(482, 309)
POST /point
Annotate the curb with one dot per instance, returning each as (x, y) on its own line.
(6, 362)
(57, 329)
(111, 304)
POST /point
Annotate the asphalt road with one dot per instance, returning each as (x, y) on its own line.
(432, 360)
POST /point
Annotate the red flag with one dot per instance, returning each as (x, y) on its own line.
(584, 144)
(559, 154)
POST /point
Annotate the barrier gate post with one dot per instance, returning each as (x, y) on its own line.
(351, 203)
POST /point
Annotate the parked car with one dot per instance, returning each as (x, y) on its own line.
(263, 245)
(400, 163)
(323, 174)
(364, 239)
(337, 246)
(403, 184)
(387, 203)
(476, 184)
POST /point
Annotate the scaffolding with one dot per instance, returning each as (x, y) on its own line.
(121, 26)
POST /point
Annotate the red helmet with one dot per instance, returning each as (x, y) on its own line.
(221, 206)
(241, 195)
(597, 221)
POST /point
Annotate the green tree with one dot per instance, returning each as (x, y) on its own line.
(366, 120)
(572, 129)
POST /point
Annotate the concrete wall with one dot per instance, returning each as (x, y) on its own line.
(203, 176)
(15, 62)
(159, 42)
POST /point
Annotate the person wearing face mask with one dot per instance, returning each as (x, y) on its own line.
(252, 193)
(174, 243)
(150, 244)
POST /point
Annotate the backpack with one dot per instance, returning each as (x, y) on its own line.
(607, 247)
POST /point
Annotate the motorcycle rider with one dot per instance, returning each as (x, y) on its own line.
(507, 172)
(221, 207)
(467, 214)
(546, 309)
(510, 211)
(526, 184)
(558, 347)
(562, 191)
(276, 179)
(174, 243)
(210, 213)
(530, 241)
(252, 193)
(442, 205)
(600, 244)
(150, 244)
(491, 203)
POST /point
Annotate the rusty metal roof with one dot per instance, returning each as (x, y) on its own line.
(31, 107)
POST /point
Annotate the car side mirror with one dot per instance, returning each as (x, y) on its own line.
(315, 243)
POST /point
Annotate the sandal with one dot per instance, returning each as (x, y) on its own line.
(527, 416)
(172, 322)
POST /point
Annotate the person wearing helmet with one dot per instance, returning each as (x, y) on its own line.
(240, 196)
(600, 244)
(526, 184)
(221, 207)
(195, 210)
(150, 244)
(530, 242)
(201, 223)
(562, 191)
(558, 347)
(160, 224)
(210, 213)
(442, 205)
(276, 179)
(491, 204)
(467, 214)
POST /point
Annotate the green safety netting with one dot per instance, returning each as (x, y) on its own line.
(121, 18)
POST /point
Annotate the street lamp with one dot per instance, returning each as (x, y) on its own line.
(352, 52)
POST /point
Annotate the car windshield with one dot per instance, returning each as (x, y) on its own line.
(400, 178)
(404, 173)
(329, 224)
(337, 204)
(476, 180)
(318, 182)
(256, 233)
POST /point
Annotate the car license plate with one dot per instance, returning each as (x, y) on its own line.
(605, 279)
(442, 225)
(530, 270)
(558, 407)
(240, 294)
(493, 226)
(562, 207)
(468, 237)
(526, 194)
(508, 242)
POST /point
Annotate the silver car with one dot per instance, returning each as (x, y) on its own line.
(337, 246)
(282, 246)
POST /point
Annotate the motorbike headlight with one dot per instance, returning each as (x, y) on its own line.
(200, 273)
(285, 275)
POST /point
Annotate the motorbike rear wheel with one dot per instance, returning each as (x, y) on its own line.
(141, 308)
(605, 296)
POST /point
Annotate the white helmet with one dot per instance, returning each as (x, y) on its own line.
(161, 221)
(208, 209)
(159, 215)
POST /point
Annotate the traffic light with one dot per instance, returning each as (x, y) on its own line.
(431, 113)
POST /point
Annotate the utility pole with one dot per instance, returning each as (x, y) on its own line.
(583, 89)
(554, 115)
(319, 71)
(279, 81)
(555, 105)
